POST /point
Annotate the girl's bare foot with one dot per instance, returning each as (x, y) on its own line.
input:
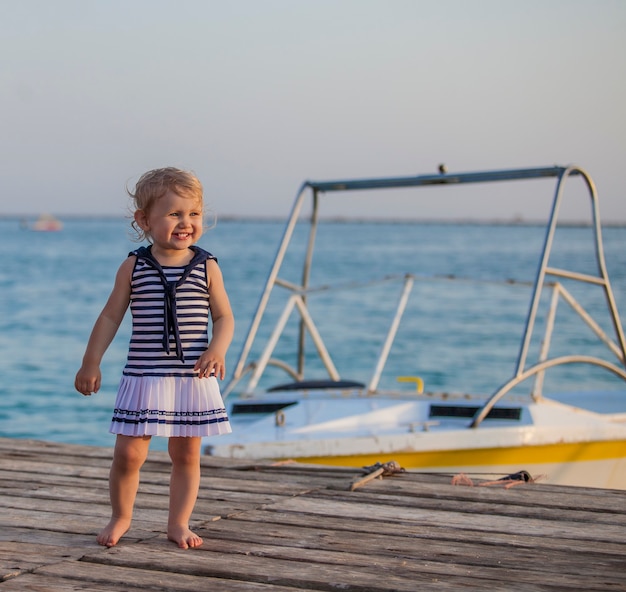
(113, 532)
(183, 537)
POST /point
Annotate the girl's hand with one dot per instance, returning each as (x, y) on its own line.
(209, 363)
(88, 380)
(212, 360)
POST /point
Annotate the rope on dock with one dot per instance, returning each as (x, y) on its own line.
(512, 480)
(377, 470)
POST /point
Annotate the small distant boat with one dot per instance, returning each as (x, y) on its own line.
(339, 422)
(47, 223)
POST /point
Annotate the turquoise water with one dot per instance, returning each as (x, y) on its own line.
(461, 335)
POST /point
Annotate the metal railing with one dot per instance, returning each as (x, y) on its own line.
(522, 372)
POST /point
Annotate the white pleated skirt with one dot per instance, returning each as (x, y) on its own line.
(169, 406)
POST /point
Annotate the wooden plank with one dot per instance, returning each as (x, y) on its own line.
(513, 506)
(67, 498)
(528, 560)
(421, 534)
(321, 510)
(405, 487)
(25, 471)
(23, 448)
(300, 574)
(332, 570)
(77, 576)
(46, 521)
(18, 558)
(407, 540)
(55, 467)
(39, 536)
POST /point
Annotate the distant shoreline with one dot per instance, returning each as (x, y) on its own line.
(340, 220)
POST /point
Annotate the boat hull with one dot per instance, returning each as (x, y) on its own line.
(589, 463)
(586, 464)
(553, 441)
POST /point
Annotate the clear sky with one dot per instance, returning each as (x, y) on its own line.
(257, 96)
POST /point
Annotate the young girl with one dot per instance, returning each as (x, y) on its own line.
(169, 384)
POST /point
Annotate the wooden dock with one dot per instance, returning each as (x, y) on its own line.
(296, 527)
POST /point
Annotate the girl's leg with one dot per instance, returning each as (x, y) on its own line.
(128, 457)
(184, 485)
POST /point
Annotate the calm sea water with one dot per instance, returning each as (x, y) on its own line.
(461, 335)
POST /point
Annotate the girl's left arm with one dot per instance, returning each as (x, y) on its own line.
(213, 360)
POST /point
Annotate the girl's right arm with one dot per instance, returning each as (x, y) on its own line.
(88, 378)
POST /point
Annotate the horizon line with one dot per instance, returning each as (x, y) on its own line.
(514, 220)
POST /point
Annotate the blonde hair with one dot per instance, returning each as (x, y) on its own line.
(155, 184)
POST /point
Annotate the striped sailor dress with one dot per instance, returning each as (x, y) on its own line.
(160, 394)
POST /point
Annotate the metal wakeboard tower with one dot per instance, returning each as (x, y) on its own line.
(522, 371)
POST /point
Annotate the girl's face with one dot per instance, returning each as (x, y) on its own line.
(174, 223)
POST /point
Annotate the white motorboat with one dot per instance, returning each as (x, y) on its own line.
(574, 439)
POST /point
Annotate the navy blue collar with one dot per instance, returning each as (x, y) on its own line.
(170, 326)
